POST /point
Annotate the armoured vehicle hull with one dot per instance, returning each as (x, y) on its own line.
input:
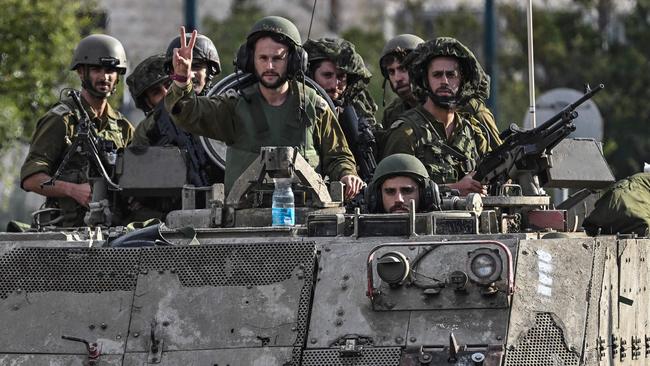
(280, 296)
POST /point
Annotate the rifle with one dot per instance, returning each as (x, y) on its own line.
(361, 141)
(526, 151)
(86, 142)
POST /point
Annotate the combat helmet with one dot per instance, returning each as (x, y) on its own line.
(283, 31)
(148, 73)
(472, 74)
(277, 25)
(204, 50)
(342, 53)
(401, 165)
(100, 50)
(402, 45)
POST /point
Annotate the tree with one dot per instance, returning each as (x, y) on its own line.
(37, 39)
(232, 31)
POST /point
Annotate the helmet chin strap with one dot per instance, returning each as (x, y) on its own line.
(445, 102)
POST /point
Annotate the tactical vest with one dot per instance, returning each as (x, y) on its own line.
(445, 162)
(165, 132)
(77, 167)
(257, 131)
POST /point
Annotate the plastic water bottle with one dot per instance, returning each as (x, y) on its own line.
(283, 210)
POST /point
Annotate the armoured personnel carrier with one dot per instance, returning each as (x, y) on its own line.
(502, 280)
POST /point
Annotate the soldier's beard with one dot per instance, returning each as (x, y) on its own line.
(281, 79)
(444, 101)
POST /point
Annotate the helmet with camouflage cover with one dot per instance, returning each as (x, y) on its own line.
(473, 78)
(100, 50)
(148, 73)
(399, 46)
(204, 50)
(341, 52)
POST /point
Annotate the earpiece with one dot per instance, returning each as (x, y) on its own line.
(297, 62)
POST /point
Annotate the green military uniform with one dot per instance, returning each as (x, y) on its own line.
(393, 110)
(447, 160)
(623, 208)
(247, 122)
(343, 54)
(141, 134)
(475, 87)
(52, 138)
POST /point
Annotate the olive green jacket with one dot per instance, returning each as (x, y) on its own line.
(53, 136)
(240, 121)
(416, 132)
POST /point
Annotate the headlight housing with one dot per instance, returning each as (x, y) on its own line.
(484, 266)
(393, 267)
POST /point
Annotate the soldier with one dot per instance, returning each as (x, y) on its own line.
(275, 111)
(336, 66)
(339, 69)
(98, 60)
(390, 63)
(398, 179)
(148, 85)
(448, 143)
(205, 61)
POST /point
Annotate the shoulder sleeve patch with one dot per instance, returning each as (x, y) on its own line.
(61, 109)
(396, 124)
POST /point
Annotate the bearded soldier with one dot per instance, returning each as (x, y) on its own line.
(275, 111)
(393, 70)
(449, 143)
(99, 60)
(336, 66)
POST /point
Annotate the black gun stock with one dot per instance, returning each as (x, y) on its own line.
(524, 150)
(361, 141)
(85, 142)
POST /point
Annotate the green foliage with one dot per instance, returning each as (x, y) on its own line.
(230, 33)
(571, 50)
(37, 39)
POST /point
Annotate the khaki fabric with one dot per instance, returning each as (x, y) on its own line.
(624, 208)
(53, 136)
(416, 132)
(223, 118)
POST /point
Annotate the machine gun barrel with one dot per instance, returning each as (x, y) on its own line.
(524, 147)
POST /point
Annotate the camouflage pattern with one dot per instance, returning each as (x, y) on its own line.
(232, 119)
(100, 50)
(148, 73)
(447, 160)
(475, 87)
(54, 134)
(623, 208)
(343, 54)
(478, 113)
(393, 110)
